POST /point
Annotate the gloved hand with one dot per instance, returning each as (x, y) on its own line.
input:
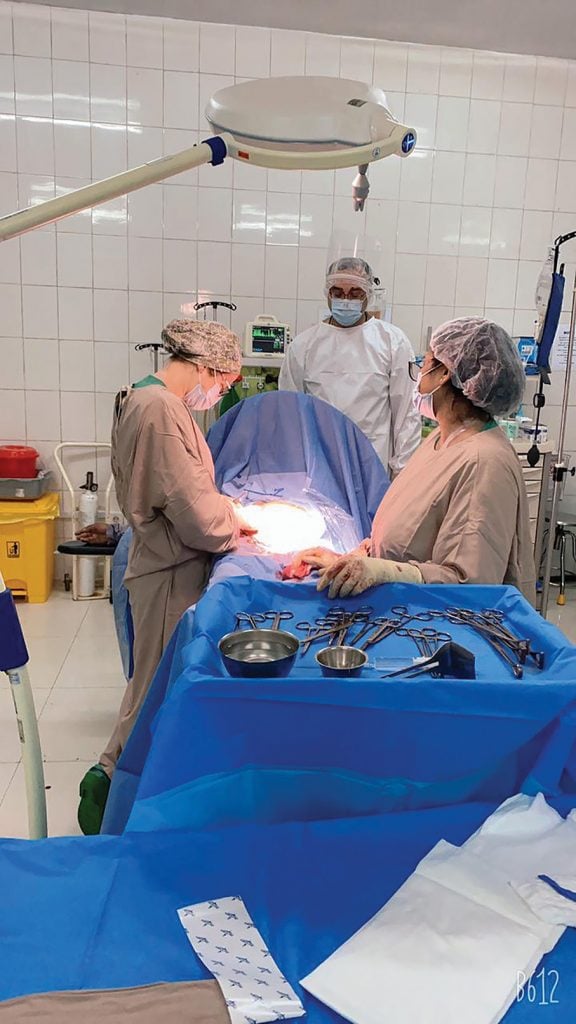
(246, 529)
(351, 575)
(97, 533)
(315, 558)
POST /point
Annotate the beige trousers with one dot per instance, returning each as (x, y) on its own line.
(158, 602)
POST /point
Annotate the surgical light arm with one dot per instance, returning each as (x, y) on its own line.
(369, 133)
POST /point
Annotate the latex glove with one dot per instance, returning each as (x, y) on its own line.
(352, 575)
(315, 558)
(246, 530)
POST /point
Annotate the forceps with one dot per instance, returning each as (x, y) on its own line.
(400, 611)
(382, 628)
(334, 625)
(340, 638)
(254, 619)
(489, 624)
(276, 618)
(427, 640)
(317, 630)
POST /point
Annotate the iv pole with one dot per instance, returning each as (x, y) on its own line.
(560, 467)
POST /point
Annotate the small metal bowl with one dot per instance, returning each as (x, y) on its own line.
(258, 653)
(341, 661)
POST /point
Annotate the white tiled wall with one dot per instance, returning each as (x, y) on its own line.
(465, 221)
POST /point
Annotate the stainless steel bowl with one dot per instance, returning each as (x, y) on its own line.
(258, 653)
(341, 661)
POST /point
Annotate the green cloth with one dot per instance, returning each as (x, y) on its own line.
(146, 382)
(489, 426)
(231, 398)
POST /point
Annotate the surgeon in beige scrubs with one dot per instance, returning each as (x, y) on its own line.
(164, 478)
(458, 511)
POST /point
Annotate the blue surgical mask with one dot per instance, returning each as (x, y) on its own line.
(347, 311)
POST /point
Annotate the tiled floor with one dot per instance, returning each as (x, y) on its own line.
(78, 683)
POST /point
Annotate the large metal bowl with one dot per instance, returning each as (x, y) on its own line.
(341, 661)
(258, 653)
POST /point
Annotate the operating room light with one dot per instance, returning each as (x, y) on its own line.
(283, 527)
(296, 123)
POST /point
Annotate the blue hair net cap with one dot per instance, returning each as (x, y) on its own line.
(483, 361)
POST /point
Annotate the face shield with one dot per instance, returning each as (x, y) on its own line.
(352, 269)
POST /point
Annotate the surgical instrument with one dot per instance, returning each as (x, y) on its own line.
(496, 620)
(336, 623)
(400, 611)
(427, 640)
(277, 618)
(371, 624)
(254, 619)
(450, 661)
(340, 639)
(489, 624)
(386, 628)
(326, 629)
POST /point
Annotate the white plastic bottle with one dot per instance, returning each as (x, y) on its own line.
(88, 509)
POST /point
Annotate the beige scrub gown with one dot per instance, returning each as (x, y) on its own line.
(165, 486)
(460, 514)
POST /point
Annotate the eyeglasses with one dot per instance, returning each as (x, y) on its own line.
(414, 367)
(217, 375)
(353, 293)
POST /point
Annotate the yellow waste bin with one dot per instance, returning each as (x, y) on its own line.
(27, 544)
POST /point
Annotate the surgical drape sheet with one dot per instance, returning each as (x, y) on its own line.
(289, 446)
(101, 912)
(455, 924)
(459, 923)
(281, 433)
(213, 750)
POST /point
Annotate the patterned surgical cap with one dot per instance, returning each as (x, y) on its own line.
(205, 342)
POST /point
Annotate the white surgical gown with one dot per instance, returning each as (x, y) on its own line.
(363, 372)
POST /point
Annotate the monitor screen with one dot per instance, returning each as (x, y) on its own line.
(268, 340)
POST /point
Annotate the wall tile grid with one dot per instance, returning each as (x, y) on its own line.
(464, 222)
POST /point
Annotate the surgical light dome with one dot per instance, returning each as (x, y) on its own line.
(289, 123)
(306, 114)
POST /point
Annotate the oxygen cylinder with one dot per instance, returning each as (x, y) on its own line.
(88, 508)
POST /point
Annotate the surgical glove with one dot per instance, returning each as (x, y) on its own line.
(315, 558)
(246, 529)
(351, 575)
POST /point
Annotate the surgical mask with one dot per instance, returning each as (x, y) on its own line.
(199, 400)
(425, 403)
(346, 311)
